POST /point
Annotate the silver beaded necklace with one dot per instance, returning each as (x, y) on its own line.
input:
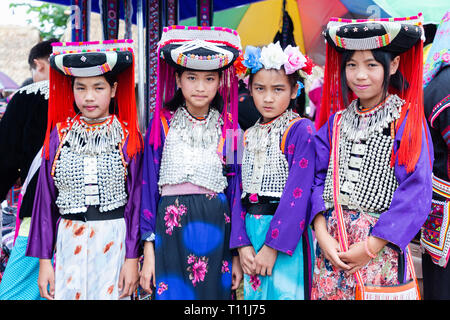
(90, 169)
(367, 181)
(264, 166)
(190, 151)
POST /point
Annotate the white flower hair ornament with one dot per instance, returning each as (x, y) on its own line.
(273, 56)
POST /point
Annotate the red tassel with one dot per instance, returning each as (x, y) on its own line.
(411, 67)
(126, 101)
(60, 104)
(332, 100)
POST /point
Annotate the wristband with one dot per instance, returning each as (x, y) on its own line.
(370, 254)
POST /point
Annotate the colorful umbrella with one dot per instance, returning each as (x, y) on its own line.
(259, 21)
(6, 83)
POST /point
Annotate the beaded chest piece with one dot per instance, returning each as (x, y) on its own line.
(264, 166)
(367, 181)
(190, 152)
(89, 168)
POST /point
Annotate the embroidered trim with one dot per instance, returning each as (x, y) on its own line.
(40, 87)
(359, 126)
(435, 235)
(438, 108)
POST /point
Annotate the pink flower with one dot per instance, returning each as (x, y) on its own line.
(296, 60)
(302, 224)
(303, 163)
(255, 282)
(253, 198)
(191, 259)
(227, 218)
(297, 193)
(275, 233)
(289, 252)
(291, 149)
(199, 271)
(436, 56)
(162, 287)
(172, 217)
(147, 213)
(446, 57)
(225, 267)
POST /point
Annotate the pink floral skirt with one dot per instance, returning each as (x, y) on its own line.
(192, 255)
(329, 283)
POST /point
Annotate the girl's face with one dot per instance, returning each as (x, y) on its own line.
(199, 88)
(272, 92)
(365, 77)
(93, 95)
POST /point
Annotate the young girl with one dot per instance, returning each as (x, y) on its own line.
(191, 179)
(273, 237)
(372, 187)
(88, 192)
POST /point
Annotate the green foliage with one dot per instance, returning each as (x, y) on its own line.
(52, 18)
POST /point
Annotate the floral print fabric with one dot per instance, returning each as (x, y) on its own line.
(192, 255)
(287, 280)
(88, 259)
(332, 284)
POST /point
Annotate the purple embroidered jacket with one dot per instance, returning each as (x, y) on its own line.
(45, 216)
(292, 215)
(411, 201)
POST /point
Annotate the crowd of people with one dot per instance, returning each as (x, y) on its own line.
(195, 208)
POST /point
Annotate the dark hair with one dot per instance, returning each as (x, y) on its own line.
(296, 104)
(42, 50)
(178, 98)
(111, 79)
(396, 81)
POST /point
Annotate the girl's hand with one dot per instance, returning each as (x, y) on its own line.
(357, 257)
(128, 278)
(237, 273)
(247, 256)
(330, 248)
(329, 245)
(46, 278)
(264, 260)
(147, 275)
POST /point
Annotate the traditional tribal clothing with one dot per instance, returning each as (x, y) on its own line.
(411, 197)
(188, 220)
(79, 256)
(435, 236)
(373, 166)
(277, 171)
(22, 132)
(191, 180)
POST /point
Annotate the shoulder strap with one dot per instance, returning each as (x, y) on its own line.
(342, 232)
(283, 140)
(164, 122)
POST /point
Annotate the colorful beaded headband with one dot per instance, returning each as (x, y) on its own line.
(199, 48)
(93, 58)
(395, 34)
